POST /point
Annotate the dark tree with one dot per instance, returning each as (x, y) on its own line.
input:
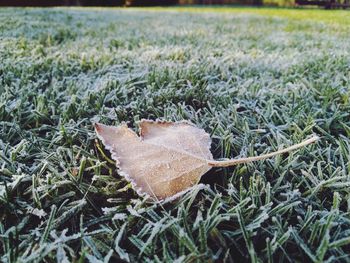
(102, 2)
(151, 2)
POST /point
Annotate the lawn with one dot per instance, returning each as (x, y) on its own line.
(255, 79)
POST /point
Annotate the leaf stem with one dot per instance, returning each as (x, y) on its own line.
(233, 162)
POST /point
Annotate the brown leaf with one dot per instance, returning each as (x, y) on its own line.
(168, 157)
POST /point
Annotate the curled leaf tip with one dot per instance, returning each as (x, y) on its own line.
(97, 126)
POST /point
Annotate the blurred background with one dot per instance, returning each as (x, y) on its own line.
(328, 4)
(143, 2)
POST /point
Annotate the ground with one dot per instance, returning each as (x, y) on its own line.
(255, 79)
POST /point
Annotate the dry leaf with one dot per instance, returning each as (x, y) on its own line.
(168, 157)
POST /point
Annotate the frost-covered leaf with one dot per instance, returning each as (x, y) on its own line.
(168, 157)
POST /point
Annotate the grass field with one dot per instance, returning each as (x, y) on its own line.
(255, 79)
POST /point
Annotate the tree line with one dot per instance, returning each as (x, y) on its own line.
(123, 2)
